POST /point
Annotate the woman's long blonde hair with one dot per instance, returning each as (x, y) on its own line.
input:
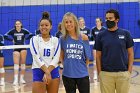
(77, 29)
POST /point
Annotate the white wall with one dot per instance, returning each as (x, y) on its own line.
(51, 2)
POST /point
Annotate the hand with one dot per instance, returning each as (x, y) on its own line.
(47, 78)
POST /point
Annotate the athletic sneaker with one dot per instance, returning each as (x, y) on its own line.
(2, 83)
(22, 81)
(15, 82)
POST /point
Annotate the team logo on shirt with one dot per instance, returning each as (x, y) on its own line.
(96, 33)
(83, 32)
(121, 36)
(18, 35)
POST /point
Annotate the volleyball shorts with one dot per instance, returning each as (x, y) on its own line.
(39, 73)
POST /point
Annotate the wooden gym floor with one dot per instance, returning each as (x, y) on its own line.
(94, 86)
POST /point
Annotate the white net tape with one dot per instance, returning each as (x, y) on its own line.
(14, 46)
(28, 46)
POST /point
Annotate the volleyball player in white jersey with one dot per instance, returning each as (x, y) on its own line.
(45, 50)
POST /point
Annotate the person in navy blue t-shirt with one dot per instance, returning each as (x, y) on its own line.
(83, 29)
(97, 29)
(18, 35)
(94, 32)
(2, 71)
(59, 33)
(75, 52)
(114, 56)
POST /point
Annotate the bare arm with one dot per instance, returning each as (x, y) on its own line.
(98, 61)
(87, 62)
(130, 58)
(50, 68)
(47, 75)
(45, 69)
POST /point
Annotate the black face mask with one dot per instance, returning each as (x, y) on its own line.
(110, 24)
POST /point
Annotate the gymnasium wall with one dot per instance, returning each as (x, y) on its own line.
(29, 12)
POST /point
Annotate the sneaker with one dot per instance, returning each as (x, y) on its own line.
(94, 62)
(2, 83)
(15, 82)
(22, 81)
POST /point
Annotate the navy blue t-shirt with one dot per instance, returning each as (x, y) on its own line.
(113, 46)
(18, 37)
(85, 31)
(95, 31)
(58, 34)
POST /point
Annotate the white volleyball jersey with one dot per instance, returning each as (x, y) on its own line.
(47, 53)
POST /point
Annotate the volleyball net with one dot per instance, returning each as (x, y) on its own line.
(28, 46)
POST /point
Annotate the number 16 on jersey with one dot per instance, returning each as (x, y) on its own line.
(46, 52)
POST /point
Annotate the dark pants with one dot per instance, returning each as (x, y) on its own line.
(82, 84)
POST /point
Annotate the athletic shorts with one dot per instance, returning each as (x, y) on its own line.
(39, 73)
(20, 49)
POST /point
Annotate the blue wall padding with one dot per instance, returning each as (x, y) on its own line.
(30, 16)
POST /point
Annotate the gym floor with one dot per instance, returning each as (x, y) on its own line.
(94, 85)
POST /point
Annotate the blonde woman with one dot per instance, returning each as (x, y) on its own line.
(75, 52)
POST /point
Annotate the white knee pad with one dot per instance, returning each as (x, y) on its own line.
(23, 66)
(16, 66)
(2, 70)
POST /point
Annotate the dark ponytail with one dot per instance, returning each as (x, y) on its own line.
(46, 16)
